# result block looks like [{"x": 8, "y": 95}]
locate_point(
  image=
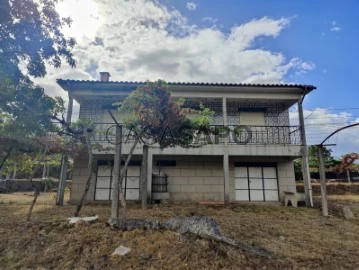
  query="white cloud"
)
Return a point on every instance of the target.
[
  {"x": 335, "y": 27},
  {"x": 140, "y": 40},
  {"x": 322, "y": 122},
  {"x": 191, "y": 6},
  {"x": 210, "y": 19}
]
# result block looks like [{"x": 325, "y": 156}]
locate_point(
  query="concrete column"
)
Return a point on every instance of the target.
[
  {"x": 305, "y": 160},
  {"x": 226, "y": 177},
  {"x": 149, "y": 175},
  {"x": 225, "y": 154}
]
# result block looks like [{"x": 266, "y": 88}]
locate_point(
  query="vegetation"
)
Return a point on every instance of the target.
[
  {"x": 31, "y": 35},
  {"x": 31, "y": 38},
  {"x": 329, "y": 161},
  {"x": 298, "y": 238}
]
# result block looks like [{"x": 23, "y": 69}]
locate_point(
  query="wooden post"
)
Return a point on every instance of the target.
[
  {"x": 64, "y": 161},
  {"x": 323, "y": 185},
  {"x": 115, "y": 204},
  {"x": 305, "y": 161},
  {"x": 143, "y": 187}
]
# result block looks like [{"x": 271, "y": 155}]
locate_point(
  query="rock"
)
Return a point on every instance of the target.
[
  {"x": 121, "y": 251},
  {"x": 144, "y": 256},
  {"x": 73, "y": 220},
  {"x": 132, "y": 224},
  {"x": 282, "y": 238},
  {"x": 204, "y": 227},
  {"x": 347, "y": 212},
  {"x": 207, "y": 228}
]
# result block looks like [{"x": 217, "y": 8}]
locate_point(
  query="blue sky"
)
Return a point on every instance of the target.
[
  {"x": 323, "y": 32},
  {"x": 247, "y": 41}
]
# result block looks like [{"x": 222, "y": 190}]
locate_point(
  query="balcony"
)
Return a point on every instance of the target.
[{"x": 215, "y": 135}]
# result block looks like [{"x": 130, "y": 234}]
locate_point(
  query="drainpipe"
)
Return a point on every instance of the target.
[{"x": 305, "y": 160}]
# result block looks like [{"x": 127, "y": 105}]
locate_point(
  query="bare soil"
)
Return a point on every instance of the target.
[{"x": 298, "y": 238}]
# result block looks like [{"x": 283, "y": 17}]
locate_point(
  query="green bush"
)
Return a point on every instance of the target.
[{"x": 47, "y": 183}]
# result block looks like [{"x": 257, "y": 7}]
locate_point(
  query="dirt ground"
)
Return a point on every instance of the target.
[{"x": 298, "y": 238}]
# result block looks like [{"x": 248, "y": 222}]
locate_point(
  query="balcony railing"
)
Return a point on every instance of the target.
[{"x": 216, "y": 134}]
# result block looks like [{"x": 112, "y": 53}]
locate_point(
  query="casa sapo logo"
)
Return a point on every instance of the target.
[{"x": 185, "y": 135}]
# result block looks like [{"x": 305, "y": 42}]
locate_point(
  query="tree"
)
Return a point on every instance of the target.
[
  {"x": 153, "y": 118},
  {"x": 30, "y": 35},
  {"x": 26, "y": 112},
  {"x": 313, "y": 156},
  {"x": 347, "y": 163}
]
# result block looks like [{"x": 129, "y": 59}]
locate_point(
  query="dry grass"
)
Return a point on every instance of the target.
[{"x": 299, "y": 238}]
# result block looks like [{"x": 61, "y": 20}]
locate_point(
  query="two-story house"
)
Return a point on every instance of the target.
[{"x": 253, "y": 162}]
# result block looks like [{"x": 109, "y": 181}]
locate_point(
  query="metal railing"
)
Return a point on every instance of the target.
[{"x": 216, "y": 134}]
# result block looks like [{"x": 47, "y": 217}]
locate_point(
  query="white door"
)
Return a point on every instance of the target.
[
  {"x": 131, "y": 183},
  {"x": 241, "y": 184},
  {"x": 256, "y": 183}
]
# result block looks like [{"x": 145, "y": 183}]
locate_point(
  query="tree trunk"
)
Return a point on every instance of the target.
[
  {"x": 36, "y": 191},
  {"x": 90, "y": 170},
  {"x": 143, "y": 181},
  {"x": 122, "y": 176},
  {"x": 44, "y": 171},
  {"x": 14, "y": 172},
  {"x": 6, "y": 157},
  {"x": 348, "y": 175}
]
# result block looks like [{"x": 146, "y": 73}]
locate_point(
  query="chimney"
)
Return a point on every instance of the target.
[{"x": 105, "y": 76}]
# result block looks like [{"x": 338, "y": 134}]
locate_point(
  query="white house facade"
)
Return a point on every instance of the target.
[{"x": 255, "y": 164}]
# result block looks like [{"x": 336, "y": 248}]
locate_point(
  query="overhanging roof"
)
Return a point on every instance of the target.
[
  {"x": 285, "y": 93},
  {"x": 113, "y": 85}
]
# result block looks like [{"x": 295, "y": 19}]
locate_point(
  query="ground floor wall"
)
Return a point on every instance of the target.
[{"x": 193, "y": 178}]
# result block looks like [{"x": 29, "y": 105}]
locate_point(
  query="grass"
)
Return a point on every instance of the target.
[{"x": 298, "y": 238}]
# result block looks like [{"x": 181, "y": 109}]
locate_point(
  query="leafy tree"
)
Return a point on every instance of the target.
[
  {"x": 157, "y": 119},
  {"x": 30, "y": 35},
  {"x": 313, "y": 156},
  {"x": 329, "y": 160},
  {"x": 26, "y": 112}
]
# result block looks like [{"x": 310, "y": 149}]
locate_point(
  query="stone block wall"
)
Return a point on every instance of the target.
[
  {"x": 194, "y": 178},
  {"x": 79, "y": 178},
  {"x": 286, "y": 178}
]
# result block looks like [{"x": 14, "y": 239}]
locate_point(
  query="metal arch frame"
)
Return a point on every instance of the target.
[
  {"x": 340, "y": 129},
  {"x": 323, "y": 186}
]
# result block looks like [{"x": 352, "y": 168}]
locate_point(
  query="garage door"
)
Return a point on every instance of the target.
[
  {"x": 131, "y": 183},
  {"x": 256, "y": 183}
]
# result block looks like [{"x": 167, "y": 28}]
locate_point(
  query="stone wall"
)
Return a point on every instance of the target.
[
  {"x": 79, "y": 178},
  {"x": 286, "y": 178},
  {"x": 194, "y": 178}
]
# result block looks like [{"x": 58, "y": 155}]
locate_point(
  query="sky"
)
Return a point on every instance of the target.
[{"x": 238, "y": 41}]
